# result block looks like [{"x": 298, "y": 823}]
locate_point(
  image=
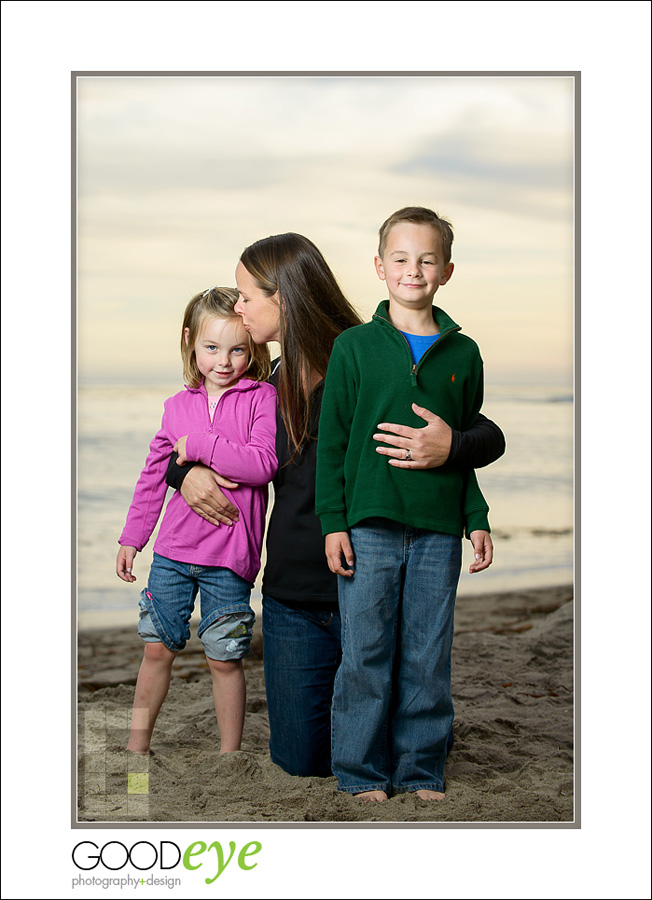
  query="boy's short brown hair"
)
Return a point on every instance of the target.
[{"x": 420, "y": 215}]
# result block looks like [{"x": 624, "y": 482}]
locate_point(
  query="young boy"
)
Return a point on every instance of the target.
[{"x": 399, "y": 533}]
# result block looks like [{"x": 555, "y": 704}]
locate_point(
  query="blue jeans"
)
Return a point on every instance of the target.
[
  {"x": 167, "y": 603},
  {"x": 301, "y": 652},
  {"x": 392, "y": 704}
]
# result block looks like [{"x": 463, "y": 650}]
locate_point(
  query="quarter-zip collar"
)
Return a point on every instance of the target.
[
  {"x": 245, "y": 384},
  {"x": 446, "y": 326}
]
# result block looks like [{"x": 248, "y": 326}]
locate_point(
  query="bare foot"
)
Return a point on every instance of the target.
[
  {"x": 430, "y": 795},
  {"x": 372, "y": 796}
]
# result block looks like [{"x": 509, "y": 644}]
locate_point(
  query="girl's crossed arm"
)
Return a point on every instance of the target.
[{"x": 253, "y": 463}]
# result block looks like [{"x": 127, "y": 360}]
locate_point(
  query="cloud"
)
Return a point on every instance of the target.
[
  {"x": 178, "y": 175},
  {"x": 516, "y": 166}
]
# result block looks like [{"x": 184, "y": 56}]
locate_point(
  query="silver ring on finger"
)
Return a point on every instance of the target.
[{"x": 408, "y": 455}]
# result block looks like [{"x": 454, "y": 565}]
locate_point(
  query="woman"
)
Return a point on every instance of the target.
[{"x": 289, "y": 294}]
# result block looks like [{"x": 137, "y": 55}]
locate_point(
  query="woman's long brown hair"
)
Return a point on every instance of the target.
[{"x": 313, "y": 312}]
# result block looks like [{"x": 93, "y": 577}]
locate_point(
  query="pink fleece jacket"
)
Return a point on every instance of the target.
[{"x": 239, "y": 444}]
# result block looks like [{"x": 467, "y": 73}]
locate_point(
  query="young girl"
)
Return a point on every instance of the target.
[{"x": 225, "y": 419}]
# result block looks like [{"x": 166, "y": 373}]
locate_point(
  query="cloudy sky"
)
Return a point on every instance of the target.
[{"x": 176, "y": 175}]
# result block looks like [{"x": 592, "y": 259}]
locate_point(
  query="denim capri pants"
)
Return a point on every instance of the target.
[{"x": 168, "y": 601}]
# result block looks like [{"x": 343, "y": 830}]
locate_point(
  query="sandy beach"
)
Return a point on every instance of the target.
[{"x": 512, "y": 760}]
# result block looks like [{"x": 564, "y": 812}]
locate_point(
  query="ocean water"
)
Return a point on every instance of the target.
[{"x": 529, "y": 490}]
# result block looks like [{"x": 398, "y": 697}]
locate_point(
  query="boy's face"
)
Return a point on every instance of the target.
[{"x": 413, "y": 265}]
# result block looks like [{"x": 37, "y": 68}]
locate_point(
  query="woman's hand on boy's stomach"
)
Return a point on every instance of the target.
[{"x": 416, "y": 448}]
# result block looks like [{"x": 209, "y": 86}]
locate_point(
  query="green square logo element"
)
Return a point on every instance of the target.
[{"x": 138, "y": 783}]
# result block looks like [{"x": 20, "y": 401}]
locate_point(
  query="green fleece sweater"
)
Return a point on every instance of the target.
[{"x": 371, "y": 379}]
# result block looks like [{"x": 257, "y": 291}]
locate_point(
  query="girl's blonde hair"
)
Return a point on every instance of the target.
[{"x": 218, "y": 302}]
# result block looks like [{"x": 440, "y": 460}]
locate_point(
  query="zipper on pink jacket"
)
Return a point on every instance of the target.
[{"x": 217, "y": 405}]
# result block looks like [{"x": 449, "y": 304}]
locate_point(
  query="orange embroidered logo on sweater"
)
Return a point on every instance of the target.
[{"x": 453, "y": 377}]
